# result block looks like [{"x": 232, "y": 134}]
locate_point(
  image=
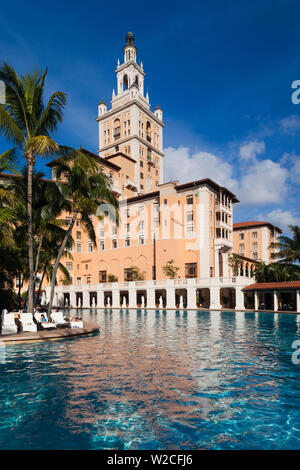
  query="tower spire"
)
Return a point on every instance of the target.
[{"x": 129, "y": 48}]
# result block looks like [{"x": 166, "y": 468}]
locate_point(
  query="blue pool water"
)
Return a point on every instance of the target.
[{"x": 175, "y": 380}]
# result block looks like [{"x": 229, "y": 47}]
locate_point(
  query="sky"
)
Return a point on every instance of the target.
[{"x": 221, "y": 71}]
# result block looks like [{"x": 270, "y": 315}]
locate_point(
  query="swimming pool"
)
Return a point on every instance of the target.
[{"x": 156, "y": 380}]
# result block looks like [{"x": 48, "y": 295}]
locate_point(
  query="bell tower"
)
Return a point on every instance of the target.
[
  {"x": 130, "y": 128},
  {"x": 130, "y": 74}
]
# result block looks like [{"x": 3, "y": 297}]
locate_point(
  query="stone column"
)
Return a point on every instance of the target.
[
  {"x": 255, "y": 300},
  {"x": 100, "y": 298},
  {"x": 60, "y": 299},
  {"x": 115, "y": 298},
  {"x": 215, "y": 303},
  {"x": 85, "y": 299},
  {"x": 275, "y": 296},
  {"x": 170, "y": 294},
  {"x": 150, "y": 298},
  {"x": 298, "y": 301},
  {"x": 239, "y": 299},
  {"x": 217, "y": 263},
  {"x": 131, "y": 298},
  {"x": 191, "y": 298},
  {"x": 72, "y": 299}
]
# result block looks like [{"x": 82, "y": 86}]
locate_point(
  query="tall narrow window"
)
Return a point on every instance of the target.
[
  {"x": 127, "y": 274},
  {"x": 190, "y": 216},
  {"x": 190, "y": 270},
  {"x": 148, "y": 131},
  {"x": 102, "y": 276},
  {"x": 117, "y": 129},
  {"x": 189, "y": 231}
]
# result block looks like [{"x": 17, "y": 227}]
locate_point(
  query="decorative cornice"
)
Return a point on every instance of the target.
[
  {"x": 126, "y": 139},
  {"x": 130, "y": 62},
  {"x": 126, "y": 105}
]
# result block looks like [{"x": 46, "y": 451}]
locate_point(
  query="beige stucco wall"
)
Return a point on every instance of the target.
[{"x": 264, "y": 238}]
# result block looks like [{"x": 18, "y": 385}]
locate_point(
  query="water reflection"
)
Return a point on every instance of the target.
[{"x": 156, "y": 379}]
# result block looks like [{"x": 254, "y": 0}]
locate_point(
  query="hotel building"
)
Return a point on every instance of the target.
[
  {"x": 253, "y": 240},
  {"x": 190, "y": 224}
]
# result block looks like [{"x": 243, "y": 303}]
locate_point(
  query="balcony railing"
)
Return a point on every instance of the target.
[
  {"x": 222, "y": 223},
  {"x": 130, "y": 184},
  {"x": 150, "y": 161},
  {"x": 163, "y": 283},
  {"x": 219, "y": 205}
]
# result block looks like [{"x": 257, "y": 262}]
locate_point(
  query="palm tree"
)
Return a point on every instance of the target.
[
  {"x": 48, "y": 254},
  {"x": 235, "y": 264},
  {"x": 84, "y": 190},
  {"x": 262, "y": 272},
  {"x": 288, "y": 248},
  {"x": 277, "y": 272},
  {"x": 170, "y": 269},
  {"x": 47, "y": 204},
  {"x": 7, "y": 200},
  {"x": 27, "y": 122}
]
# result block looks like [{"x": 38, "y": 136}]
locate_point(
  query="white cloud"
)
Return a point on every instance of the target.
[
  {"x": 263, "y": 182},
  {"x": 295, "y": 173},
  {"x": 290, "y": 124},
  {"x": 281, "y": 219},
  {"x": 181, "y": 164},
  {"x": 249, "y": 150}
]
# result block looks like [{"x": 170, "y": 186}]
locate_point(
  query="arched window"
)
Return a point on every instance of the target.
[
  {"x": 136, "y": 81},
  {"x": 247, "y": 270},
  {"x": 148, "y": 131},
  {"x": 125, "y": 82},
  {"x": 117, "y": 129}
]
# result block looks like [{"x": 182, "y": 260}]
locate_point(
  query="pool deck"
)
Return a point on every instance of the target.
[
  {"x": 199, "y": 309},
  {"x": 53, "y": 335}
]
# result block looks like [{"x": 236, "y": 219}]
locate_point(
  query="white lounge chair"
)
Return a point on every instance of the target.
[
  {"x": 76, "y": 324},
  {"x": 27, "y": 322},
  {"x": 38, "y": 318},
  {"x": 9, "y": 326},
  {"x": 58, "y": 318}
]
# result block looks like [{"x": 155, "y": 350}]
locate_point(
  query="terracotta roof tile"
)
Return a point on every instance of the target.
[
  {"x": 251, "y": 223},
  {"x": 273, "y": 285}
]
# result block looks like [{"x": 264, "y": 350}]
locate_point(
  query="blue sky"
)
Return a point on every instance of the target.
[{"x": 221, "y": 71}]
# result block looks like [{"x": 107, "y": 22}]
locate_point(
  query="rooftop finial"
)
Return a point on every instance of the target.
[{"x": 129, "y": 38}]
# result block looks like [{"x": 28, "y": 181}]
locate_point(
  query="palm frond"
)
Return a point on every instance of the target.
[
  {"x": 8, "y": 161},
  {"x": 42, "y": 145},
  {"x": 52, "y": 114},
  {"x": 9, "y": 128}
]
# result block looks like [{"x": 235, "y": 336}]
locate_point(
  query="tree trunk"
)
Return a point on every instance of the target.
[
  {"x": 41, "y": 283},
  {"x": 30, "y": 234},
  {"x": 37, "y": 260},
  {"x": 19, "y": 290},
  {"x": 57, "y": 261}
]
